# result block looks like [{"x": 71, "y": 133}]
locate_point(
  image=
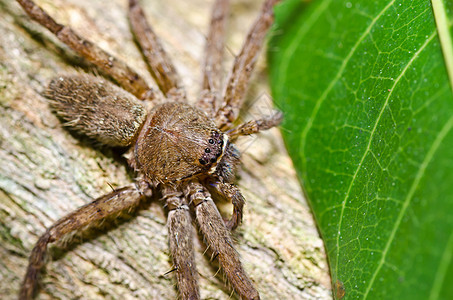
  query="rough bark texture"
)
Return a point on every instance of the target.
[{"x": 47, "y": 171}]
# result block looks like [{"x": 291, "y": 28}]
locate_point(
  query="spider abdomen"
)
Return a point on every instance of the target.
[
  {"x": 97, "y": 108},
  {"x": 178, "y": 141}
]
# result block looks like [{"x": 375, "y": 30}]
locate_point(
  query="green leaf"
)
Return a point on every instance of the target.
[{"x": 368, "y": 107}]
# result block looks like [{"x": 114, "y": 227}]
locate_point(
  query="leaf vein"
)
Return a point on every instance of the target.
[
  {"x": 368, "y": 149},
  {"x": 336, "y": 79},
  {"x": 445, "y": 261},
  {"x": 288, "y": 55},
  {"x": 430, "y": 154}
]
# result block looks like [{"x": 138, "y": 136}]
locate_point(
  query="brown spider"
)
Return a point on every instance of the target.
[{"x": 180, "y": 151}]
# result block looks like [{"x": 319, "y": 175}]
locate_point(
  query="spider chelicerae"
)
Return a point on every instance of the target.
[{"x": 180, "y": 151}]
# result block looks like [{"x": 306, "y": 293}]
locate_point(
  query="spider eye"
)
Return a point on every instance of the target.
[{"x": 213, "y": 150}]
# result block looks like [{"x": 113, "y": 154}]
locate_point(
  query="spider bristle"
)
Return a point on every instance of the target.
[
  {"x": 207, "y": 248},
  {"x": 232, "y": 293},
  {"x": 218, "y": 271},
  {"x": 111, "y": 186},
  {"x": 170, "y": 271},
  {"x": 214, "y": 256}
]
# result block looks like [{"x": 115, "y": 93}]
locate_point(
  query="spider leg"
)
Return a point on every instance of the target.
[
  {"x": 117, "y": 69},
  {"x": 243, "y": 66},
  {"x": 161, "y": 67},
  {"x": 100, "y": 208},
  {"x": 232, "y": 194},
  {"x": 219, "y": 239},
  {"x": 214, "y": 49},
  {"x": 180, "y": 234},
  {"x": 255, "y": 126},
  {"x": 97, "y": 108}
]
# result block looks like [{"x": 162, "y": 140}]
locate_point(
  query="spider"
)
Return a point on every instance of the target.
[{"x": 184, "y": 153}]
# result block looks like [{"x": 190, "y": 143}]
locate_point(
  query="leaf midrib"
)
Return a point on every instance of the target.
[{"x": 443, "y": 27}]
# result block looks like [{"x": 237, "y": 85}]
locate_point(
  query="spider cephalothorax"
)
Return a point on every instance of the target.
[
  {"x": 178, "y": 141},
  {"x": 183, "y": 152}
]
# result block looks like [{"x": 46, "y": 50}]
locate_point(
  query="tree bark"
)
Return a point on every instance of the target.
[{"x": 47, "y": 171}]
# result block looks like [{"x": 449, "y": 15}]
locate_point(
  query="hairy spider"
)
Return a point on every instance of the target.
[{"x": 180, "y": 151}]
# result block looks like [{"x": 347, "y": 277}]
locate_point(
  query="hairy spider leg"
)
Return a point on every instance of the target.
[
  {"x": 117, "y": 69},
  {"x": 219, "y": 239},
  {"x": 180, "y": 234},
  {"x": 214, "y": 50},
  {"x": 160, "y": 64},
  {"x": 255, "y": 126},
  {"x": 243, "y": 66},
  {"x": 97, "y": 108},
  {"x": 104, "y": 206}
]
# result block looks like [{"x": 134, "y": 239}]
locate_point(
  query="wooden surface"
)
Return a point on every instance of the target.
[{"x": 46, "y": 171}]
